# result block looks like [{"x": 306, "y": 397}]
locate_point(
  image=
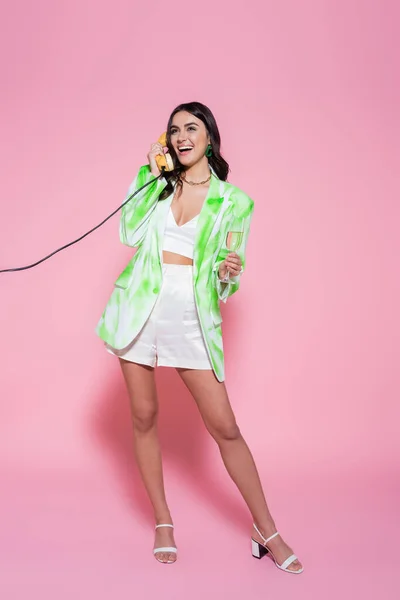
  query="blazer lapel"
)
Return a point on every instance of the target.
[{"x": 210, "y": 219}]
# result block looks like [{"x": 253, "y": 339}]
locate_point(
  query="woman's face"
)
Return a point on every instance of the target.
[{"x": 189, "y": 138}]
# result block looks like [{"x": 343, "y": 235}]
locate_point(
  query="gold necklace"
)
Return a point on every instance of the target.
[{"x": 183, "y": 178}]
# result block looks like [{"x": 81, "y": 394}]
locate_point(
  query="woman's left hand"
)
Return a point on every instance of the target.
[{"x": 232, "y": 265}]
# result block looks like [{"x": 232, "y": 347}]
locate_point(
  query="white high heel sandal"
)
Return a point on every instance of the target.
[
  {"x": 171, "y": 549},
  {"x": 259, "y": 550}
]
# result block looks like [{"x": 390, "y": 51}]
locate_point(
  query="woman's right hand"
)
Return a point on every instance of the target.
[{"x": 156, "y": 149}]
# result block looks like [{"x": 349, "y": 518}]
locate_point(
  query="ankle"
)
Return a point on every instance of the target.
[
  {"x": 266, "y": 528},
  {"x": 163, "y": 518}
]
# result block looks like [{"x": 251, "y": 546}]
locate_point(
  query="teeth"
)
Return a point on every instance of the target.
[{"x": 185, "y": 148}]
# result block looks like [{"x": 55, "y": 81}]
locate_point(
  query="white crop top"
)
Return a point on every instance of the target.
[{"x": 180, "y": 239}]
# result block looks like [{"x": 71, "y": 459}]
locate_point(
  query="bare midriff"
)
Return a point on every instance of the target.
[{"x": 171, "y": 258}]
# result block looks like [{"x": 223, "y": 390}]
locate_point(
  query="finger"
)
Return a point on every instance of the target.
[
  {"x": 234, "y": 265},
  {"x": 156, "y": 148},
  {"x": 235, "y": 261}
]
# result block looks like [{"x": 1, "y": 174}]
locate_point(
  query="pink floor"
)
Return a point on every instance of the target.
[
  {"x": 67, "y": 535},
  {"x": 307, "y": 100}
]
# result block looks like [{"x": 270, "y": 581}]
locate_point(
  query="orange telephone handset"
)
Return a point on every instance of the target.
[{"x": 164, "y": 160}]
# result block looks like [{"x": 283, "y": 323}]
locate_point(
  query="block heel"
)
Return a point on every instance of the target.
[{"x": 257, "y": 550}]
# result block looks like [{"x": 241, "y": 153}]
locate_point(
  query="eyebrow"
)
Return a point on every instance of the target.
[{"x": 186, "y": 125}]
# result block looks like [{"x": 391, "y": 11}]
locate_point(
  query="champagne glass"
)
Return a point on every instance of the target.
[{"x": 234, "y": 240}]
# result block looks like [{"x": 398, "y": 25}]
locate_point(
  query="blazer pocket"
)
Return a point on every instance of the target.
[{"x": 124, "y": 278}]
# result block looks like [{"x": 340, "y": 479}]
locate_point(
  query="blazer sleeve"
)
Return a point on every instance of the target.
[
  {"x": 243, "y": 212},
  {"x": 136, "y": 213}
]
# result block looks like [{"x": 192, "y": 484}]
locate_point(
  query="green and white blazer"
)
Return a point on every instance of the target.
[{"x": 226, "y": 208}]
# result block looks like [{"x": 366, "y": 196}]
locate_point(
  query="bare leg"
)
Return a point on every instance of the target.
[
  {"x": 141, "y": 387},
  {"x": 213, "y": 402}
]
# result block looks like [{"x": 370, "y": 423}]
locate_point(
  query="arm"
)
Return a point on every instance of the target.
[
  {"x": 136, "y": 213},
  {"x": 230, "y": 285}
]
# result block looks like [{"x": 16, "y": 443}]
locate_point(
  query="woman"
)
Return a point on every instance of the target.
[{"x": 165, "y": 308}]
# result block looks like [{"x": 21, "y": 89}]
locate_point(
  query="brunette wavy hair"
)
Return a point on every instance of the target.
[{"x": 217, "y": 162}]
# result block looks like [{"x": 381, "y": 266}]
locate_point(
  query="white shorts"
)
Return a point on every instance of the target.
[{"x": 171, "y": 336}]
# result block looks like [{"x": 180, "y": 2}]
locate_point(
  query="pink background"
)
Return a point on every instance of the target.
[{"x": 306, "y": 95}]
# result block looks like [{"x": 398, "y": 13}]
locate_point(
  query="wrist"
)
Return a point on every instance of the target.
[{"x": 155, "y": 171}]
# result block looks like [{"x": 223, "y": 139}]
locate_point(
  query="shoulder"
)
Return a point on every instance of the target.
[
  {"x": 243, "y": 204},
  {"x": 144, "y": 172}
]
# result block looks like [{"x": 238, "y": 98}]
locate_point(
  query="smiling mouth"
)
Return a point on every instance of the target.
[{"x": 185, "y": 149}]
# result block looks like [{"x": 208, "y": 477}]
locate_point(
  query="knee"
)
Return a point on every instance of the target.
[
  {"x": 225, "y": 431},
  {"x": 144, "y": 418}
]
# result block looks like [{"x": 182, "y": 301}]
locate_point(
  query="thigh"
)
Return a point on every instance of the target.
[
  {"x": 212, "y": 400},
  {"x": 140, "y": 382}
]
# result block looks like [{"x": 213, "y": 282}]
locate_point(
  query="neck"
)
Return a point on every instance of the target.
[{"x": 199, "y": 171}]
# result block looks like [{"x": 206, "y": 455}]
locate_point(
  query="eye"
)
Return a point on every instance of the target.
[
  {"x": 191, "y": 128},
  {"x": 173, "y": 131}
]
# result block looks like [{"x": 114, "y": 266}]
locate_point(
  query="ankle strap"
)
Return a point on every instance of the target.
[
  {"x": 261, "y": 535},
  {"x": 164, "y": 525}
]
